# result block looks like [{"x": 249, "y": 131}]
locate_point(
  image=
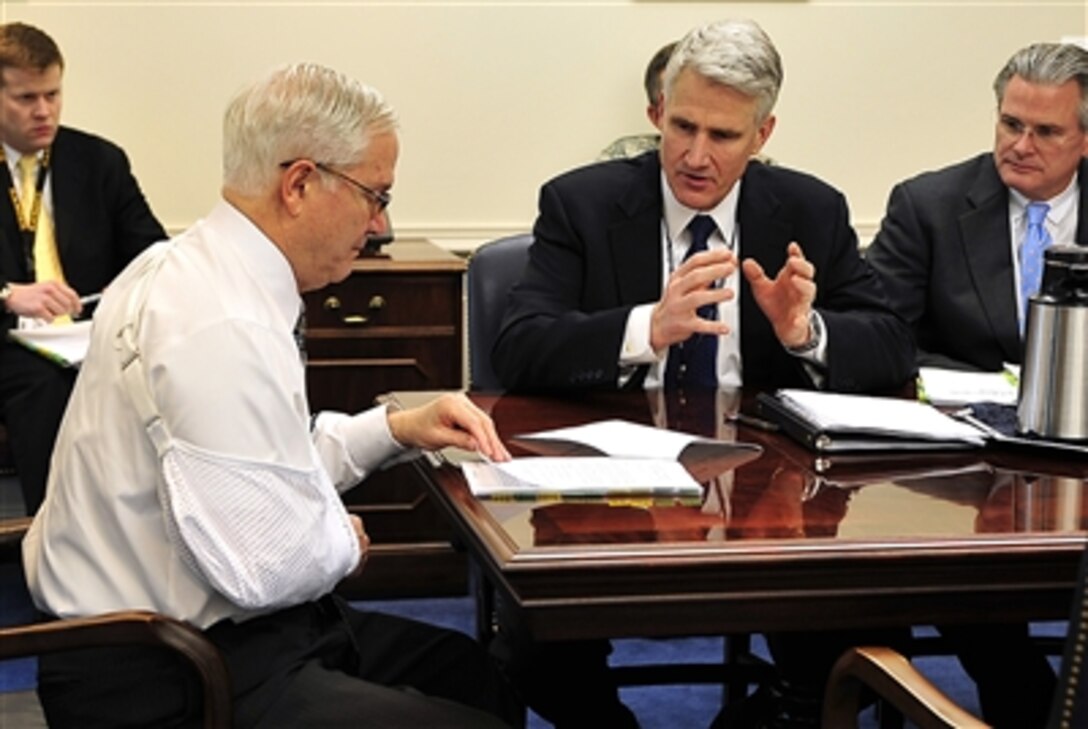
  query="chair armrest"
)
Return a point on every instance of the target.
[
  {"x": 127, "y": 628},
  {"x": 894, "y": 680}
]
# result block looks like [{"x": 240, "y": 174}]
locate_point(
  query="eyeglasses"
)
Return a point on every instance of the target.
[
  {"x": 380, "y": 199},
  {"x": 1043, "y": 135}
]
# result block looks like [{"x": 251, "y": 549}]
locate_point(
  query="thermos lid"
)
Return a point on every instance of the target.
[{"x": 1065, "y": 275}]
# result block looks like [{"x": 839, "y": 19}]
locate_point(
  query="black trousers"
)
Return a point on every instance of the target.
[
  {"x": 322, "y": 664},
  {"x": 1015, "y": 681},
  {"x": 33, "y": 395},
  {"x": 569, "y": 683}
]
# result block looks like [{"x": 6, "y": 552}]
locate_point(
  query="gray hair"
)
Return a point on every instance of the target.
[
  {"x": 1051, "y": 64},
  {"x": 734, "y": 53},
  {"x": 302, "y": 110}
]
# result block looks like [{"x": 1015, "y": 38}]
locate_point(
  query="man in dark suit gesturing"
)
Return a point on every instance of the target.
[
  {"x": 73, "y": 218},
  {"x": 694, "y": 267},
  {"x": 608, "y": 289}
]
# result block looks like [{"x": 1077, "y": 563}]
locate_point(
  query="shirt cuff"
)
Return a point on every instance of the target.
[
  {"x": 636, "y": 338},
  {"x": 367, "y": 437}
]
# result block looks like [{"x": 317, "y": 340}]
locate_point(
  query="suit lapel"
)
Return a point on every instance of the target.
[
  {"x": 14, "y": 257},
  {"x": 634, "y": 237},
  {"x": 984, "y": 233},
  {"x": 763, "y": 237},
  {"x": 66, "y": 179}
]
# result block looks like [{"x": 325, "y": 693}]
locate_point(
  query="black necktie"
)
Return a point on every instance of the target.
[
  {"x": 694, "y": 362},
  {"x": 300, "y": 334}
]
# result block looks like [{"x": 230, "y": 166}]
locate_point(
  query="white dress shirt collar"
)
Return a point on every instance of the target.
[
  {"x": 262, "y": 257},
  {"x": 1061, "y": 205},
  {"x": 677, "y": 216}
]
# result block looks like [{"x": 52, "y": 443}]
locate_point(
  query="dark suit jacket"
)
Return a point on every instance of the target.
[
  {"x": 101, "y": 218},
  {"x": 597, "y": 253},
  {"x": 944, "y": 255}
]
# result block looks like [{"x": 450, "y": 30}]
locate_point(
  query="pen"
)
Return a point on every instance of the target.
[
  {"x": 753, "y": 422},
  {"x": 89, "y": 299}
]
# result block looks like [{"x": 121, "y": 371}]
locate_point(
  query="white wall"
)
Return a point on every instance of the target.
[{"x": 495, "y": 97}]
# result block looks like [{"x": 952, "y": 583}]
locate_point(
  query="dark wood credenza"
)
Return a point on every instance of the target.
[{"x": 396, "y": 323}]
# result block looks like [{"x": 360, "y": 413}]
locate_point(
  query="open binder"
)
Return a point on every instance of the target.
[{"x": 835, "y": 423}]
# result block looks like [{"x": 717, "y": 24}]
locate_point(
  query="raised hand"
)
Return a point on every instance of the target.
[
  {"x": 786, "y": 300},
  {"x": 675, "y": 317}
]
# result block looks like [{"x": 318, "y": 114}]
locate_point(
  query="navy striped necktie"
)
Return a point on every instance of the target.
[{"x": 694, "y": 362}]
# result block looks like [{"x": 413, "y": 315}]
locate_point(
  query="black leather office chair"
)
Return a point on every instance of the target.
[
  {"x": 121, "y": 628},
  {"x": 492, "y": 270},
  {"x": 898, "y": 683}
]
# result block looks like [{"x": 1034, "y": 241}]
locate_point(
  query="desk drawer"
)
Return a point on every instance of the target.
[
  {"x": 347, "y": 376},
  {"x": 374, "y": 300}
]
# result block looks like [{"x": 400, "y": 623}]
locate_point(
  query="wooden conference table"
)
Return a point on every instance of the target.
[{"x": 787, "y": 541}]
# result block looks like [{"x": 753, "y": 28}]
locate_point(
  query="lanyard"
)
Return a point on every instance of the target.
[{"x": 28, "y": 220}]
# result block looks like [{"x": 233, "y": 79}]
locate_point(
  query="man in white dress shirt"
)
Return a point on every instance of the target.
[{"x": 189, "y": 477}]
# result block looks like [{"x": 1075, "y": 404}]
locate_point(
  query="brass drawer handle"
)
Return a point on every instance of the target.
[{"x": 332, "y": 303}]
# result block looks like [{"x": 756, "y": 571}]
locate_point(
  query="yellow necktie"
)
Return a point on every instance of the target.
[{"x": 46, "y": 259}]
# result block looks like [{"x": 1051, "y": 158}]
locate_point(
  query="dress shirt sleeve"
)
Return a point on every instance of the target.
[
  {"x": 353, "y": 446},
  {"x": 636, "y": 338},
  {"x": 247, "y": 498}
]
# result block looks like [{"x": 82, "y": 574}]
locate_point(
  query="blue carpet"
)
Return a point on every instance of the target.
[
  {"x": 657, "y": 707},
  {"x": 15, "y": 608},
  {"x": 687, "y": 706}
]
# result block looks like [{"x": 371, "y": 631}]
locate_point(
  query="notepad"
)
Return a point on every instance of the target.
[
  {"x": 940, "y": 386},
  {"x": 580, "y": 476},
  {"x": 65, "y": 344}
]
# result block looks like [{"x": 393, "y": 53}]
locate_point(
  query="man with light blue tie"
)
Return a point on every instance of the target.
[
  {"x": 960, "y": 255},
  {"x": 951, "y": 249}
]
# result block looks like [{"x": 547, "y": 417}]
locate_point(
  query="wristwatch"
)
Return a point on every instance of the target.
[
  {"x": 815, "y": 335},
  {"x": 5, "y": 294}
]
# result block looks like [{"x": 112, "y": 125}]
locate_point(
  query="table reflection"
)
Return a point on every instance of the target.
[{"x": 787, "y": 493}]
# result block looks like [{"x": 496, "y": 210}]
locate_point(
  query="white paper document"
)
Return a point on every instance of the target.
[
  {"x": 580, "y": 476},
  {"x": 65, "y": 344},
  {"x": 620, "y": 438},
  {"x": 954, "y": 387}
]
